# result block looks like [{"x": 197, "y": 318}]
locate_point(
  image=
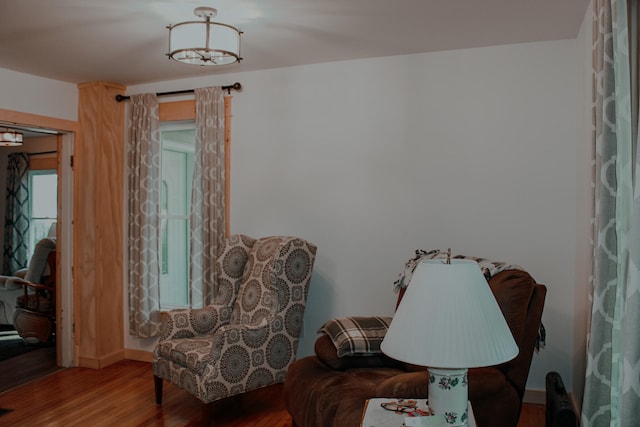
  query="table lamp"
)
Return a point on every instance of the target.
[{"x": 449, "y": 320}]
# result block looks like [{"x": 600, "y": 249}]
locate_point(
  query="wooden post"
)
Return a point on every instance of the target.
[{"x": 98, "y": 229}]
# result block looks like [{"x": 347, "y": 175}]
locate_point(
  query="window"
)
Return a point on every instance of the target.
[
  {"x": 176, "y": 171},
  {"x": 43, "y": 204}
]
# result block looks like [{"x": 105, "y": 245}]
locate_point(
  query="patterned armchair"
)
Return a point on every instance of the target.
[{"x": 248, "y": 337}]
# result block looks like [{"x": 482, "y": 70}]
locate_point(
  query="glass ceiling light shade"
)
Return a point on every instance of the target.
[
  {"x": 449, "y": 320},
  {"x": 204, "y": 42},
  {"x": 10, "y": 137}
]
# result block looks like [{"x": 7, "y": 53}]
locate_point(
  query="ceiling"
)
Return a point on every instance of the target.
[{"x": 125, "y": 41}]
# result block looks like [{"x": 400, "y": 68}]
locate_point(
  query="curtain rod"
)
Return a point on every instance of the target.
[
  {"x": 235, "y": 86},
  {"x": 41, "y": 153}
]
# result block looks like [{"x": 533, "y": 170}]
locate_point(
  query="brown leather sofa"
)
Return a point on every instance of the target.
[{"x": 325, "y": 390}]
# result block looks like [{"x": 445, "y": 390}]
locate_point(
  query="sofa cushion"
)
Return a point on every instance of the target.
[
  {"x": 191, "y": 353},
  {"x": 357, "y": 335},
  {"x": 321, "y": 396},
  {"x": 488, "y": 381},
  {"x": 406, "y": 385}
]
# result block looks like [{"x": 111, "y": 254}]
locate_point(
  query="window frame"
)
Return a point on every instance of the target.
[
  {"x": 41, "y": 166},
  {"x": 178, "y": 112},
  {"x": 166, "y": 217}
]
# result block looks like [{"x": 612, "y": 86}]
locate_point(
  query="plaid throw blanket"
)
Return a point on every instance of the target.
[
  {"x": 358, "y": 335},
  {"x": 489, "y": 269}
]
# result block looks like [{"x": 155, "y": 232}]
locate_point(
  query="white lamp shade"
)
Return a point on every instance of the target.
[{"x": 449, "y": 318}]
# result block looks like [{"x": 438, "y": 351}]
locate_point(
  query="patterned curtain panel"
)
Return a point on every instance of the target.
[
  {"x": 208, "y": 191},
  {"x": 16, "y": 221},
  {"x": 612, "y": 386},
  {"x": 143, "y": 151}
]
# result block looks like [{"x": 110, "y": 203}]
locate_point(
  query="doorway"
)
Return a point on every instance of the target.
[{"x": 65, "y": 132}]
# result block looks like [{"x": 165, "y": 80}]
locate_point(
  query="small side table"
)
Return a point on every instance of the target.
[{"x": 374, "y": 415}]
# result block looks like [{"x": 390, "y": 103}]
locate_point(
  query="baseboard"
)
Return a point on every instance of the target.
[
  {"x": 127, "y": 353},
  {"x": 537, "y": 397},
  {"x": 139, "y": 355},
  {"x": 88, "y": 362},
  {"x": 101, "y": 362}
]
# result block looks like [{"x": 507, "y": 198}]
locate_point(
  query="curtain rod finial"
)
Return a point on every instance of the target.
[{"x": 235, "y": 86}]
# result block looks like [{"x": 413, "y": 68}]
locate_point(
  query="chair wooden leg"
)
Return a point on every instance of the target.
[
  {"x": 158, "y": 388},
  {"x": 207, "y": 419}
]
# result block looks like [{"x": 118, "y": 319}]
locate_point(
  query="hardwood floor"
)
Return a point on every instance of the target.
[
  {"x": 27, "y": 367},
  {"x": 122, "y": 395},
  {"x": 532, "y": 415}
]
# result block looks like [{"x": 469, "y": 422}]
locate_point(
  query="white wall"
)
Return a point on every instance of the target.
[
  {"x": 584, "y": 208},
  {"x": 38, "y": 95},
  {"x": 371, "y": 159}
]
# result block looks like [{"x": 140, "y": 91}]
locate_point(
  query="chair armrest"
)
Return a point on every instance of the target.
[
  {"x": 10, "y": 283},
  {"x": 409, "y": 385},
  {"x": 36, "y": 286},
  {"x": 186, "y": 323}
]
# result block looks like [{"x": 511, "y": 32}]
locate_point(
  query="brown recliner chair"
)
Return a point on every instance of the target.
[
  {"x": 11, "y": 287},
  {"x": 35, "y": 314},
  {"x": 325, "y": 390},
  {"x": 28, "y": 297}
]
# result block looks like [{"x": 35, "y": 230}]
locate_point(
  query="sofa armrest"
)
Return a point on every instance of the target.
[
  {"x": 408, "y": 385},
  {"x": 328, "y": 354}
]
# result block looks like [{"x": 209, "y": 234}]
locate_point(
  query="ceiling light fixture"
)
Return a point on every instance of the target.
[
  {"x": 204, "y": 42},
  {"x": 10, "y": 137}
]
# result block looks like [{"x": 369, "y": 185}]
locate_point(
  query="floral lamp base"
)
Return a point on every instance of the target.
[{"x": 448, "y": 393}]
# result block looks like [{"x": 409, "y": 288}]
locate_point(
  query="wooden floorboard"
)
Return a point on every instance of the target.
[
  {"x": 532, "y": 415},
  {"x": 27, "y": 367},
  {"x": 122, "y": 394}
]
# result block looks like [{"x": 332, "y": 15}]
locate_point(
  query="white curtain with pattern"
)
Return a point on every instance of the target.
[
  {"x": 143, "y": 151},
  {"x": 612, "y": 386},
  {"x": 16, "y": 219},
  {"x": 208, "y": 194}
]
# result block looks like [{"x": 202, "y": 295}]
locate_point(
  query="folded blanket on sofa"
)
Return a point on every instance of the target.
[{"x": 488, "y": 267}]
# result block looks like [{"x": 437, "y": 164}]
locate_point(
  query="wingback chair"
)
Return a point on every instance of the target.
[
  {"x": 248, "y": 337},
  {"x": 11, "y": 287},
  {"x": 35, "y": 315}
]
